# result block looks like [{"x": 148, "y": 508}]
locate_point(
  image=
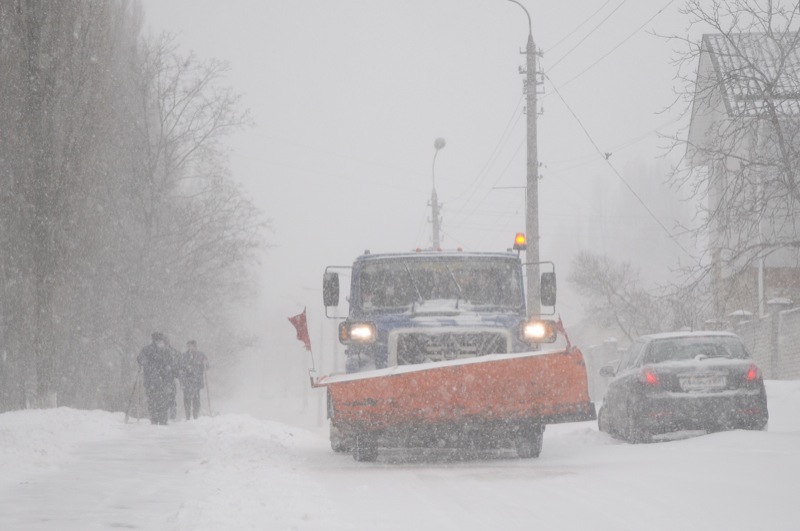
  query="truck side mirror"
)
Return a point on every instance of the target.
[
  {"x": 548, "y": 288},
  {"x": 330, "y": 289}
]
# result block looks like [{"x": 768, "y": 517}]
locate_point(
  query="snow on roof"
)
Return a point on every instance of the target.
[
  {"x": 781, "y": 300},
  {"x": 750, "y": 65},
  {"x": 434, "y": 255},
  {"x": 676, "y": 335}
]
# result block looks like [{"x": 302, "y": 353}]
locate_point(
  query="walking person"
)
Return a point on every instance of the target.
[
  {"x": 176, "y": 363},
  {"x": 158, "y": 373},
  {"x": 192, "y": 377}
]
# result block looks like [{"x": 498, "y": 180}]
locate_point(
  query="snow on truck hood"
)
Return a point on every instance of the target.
[{"x": 442, "y": 314}]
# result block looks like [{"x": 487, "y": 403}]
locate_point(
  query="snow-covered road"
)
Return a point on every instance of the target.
[
  {"x": 129, "y": 482},
  {"x": 65, "y": 469}
]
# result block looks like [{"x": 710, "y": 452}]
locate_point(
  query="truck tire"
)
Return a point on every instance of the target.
[
  {"x": 529, "y": 443},
  {"x": 340, "y": 442},
  {"x": 364, "y": 449}
]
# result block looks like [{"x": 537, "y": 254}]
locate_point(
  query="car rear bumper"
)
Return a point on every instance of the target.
[{"x": 663, "y": 414}]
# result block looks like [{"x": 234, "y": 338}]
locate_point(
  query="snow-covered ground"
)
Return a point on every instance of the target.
[{"x": 65, "y": 469}]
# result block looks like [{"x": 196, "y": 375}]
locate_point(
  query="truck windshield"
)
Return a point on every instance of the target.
[{"x": 396, "y": 283}]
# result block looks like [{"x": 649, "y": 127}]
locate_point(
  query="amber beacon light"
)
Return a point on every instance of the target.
[{"x": 519, "y": 241}]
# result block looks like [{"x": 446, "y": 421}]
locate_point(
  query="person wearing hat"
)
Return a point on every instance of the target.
[
  {"x": 158, "y": 372},
  {"x": 192, "y": 378}
]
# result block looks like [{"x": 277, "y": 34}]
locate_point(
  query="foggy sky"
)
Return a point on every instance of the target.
[{"x": 349, "y": 96}]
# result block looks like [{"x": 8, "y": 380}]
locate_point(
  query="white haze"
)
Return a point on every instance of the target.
[{"x": 349, "y": 96}]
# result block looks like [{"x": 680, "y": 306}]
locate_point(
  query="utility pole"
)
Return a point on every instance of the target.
[{"x": 532, "y": 181}]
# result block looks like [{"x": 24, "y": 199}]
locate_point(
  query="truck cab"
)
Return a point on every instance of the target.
[{"x": 428, "y": 306}]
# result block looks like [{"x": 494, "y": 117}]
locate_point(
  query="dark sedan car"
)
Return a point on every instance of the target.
[{"x": 683, "y": 381}]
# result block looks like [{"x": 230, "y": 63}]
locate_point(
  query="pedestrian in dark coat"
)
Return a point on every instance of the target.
[
  {"x": 192, "y": 377},
  {"x": 176, "y": 364},
  {"x": 158, "y": 371}
]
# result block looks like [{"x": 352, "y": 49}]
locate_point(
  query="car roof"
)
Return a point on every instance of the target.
[{"x": 678, "y": 335}]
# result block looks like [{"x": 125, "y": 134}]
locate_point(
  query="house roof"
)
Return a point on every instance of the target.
[{"x": 750, "y": 66}]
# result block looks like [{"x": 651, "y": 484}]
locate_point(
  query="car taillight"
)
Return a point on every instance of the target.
[
  {"x": 650, "y": 376},
  {"x": 752, "y": 373}
]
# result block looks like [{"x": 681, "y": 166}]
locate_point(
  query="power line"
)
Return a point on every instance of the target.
[
  {"x": 472, "y": 212},
  {"x": 474, "y": 186},
  {"x": 579, "y": 26},
  {"x": 626, "y": 39},
  {"x": 512, "y": 122},
  {"x": 619, "y": 176},
  {"x": 588, "y": 34},
  {"x": 582, "y": 160}
]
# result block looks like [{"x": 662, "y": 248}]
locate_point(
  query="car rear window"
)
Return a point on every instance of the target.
[{"x": 688, "y": 348}]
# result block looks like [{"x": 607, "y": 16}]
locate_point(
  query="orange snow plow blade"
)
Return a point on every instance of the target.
[{"x": 540, "y": 387}]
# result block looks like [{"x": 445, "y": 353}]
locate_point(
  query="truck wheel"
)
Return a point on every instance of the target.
[
  {"x": 364, "y": 450},
  {"x": 340, "y": 442},
  {"x": 529, "y": 444}
]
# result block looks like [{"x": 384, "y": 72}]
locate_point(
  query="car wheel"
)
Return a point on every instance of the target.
[
  {"x": 634, "y": 433},
  {"x": 529, "y": 444},
  {"x": 760, "y": 425},
  {"x": 602, "y": 422}
]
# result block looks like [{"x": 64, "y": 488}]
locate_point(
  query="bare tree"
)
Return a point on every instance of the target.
[
  {"x": 56, "y": 79},
  {"x": 117, "y": 212},
  {"x": 615, "y": 298},
  {"x": 188, "y": 231},
  {"x": 741, "y": 85}
]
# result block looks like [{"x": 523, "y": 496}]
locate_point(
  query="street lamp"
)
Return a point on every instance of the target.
[
  {"x": 438, "y": 144},
  {"x": 530, "y": 31}
]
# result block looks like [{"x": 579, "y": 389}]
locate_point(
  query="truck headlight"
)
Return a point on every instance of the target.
[
  {"x": 538, "y": 331},
  {"x": 360, "y": 332}
]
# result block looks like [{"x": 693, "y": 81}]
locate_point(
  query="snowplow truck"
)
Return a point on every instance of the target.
[{"x": 440, "y": 352}]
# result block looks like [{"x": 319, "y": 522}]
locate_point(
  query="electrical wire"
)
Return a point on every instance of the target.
[
  {"x": 579, "y": 26},
  {"x": 501, "y": 143},
  {"x": 587, "y": 35},
  {"x": 614, "y": 169},
  {"x": 612, "y": 50},
  {"x": 469, "y": 214},
  {"x": 619, "y": 147}
]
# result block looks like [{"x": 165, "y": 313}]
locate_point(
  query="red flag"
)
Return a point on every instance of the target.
[
  {"x": 560, "y": 328},
  {"x": 300, "y": 324}
]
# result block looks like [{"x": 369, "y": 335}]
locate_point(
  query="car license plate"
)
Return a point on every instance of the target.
[{"x": 703, "y": 382}]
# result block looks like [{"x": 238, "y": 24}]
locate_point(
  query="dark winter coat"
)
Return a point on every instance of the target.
[
  {"x": 193, "y": 368},
  {"x": 158, "y": 368}
]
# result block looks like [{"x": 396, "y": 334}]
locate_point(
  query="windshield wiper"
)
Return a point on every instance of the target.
[
  {"x": 458, "y": 288},
  {"x": 701, "y": 357},
  {"x": 414, "y": 284}
]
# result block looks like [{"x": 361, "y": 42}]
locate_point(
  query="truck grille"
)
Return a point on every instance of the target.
[{"x": 413, "y": 348}]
